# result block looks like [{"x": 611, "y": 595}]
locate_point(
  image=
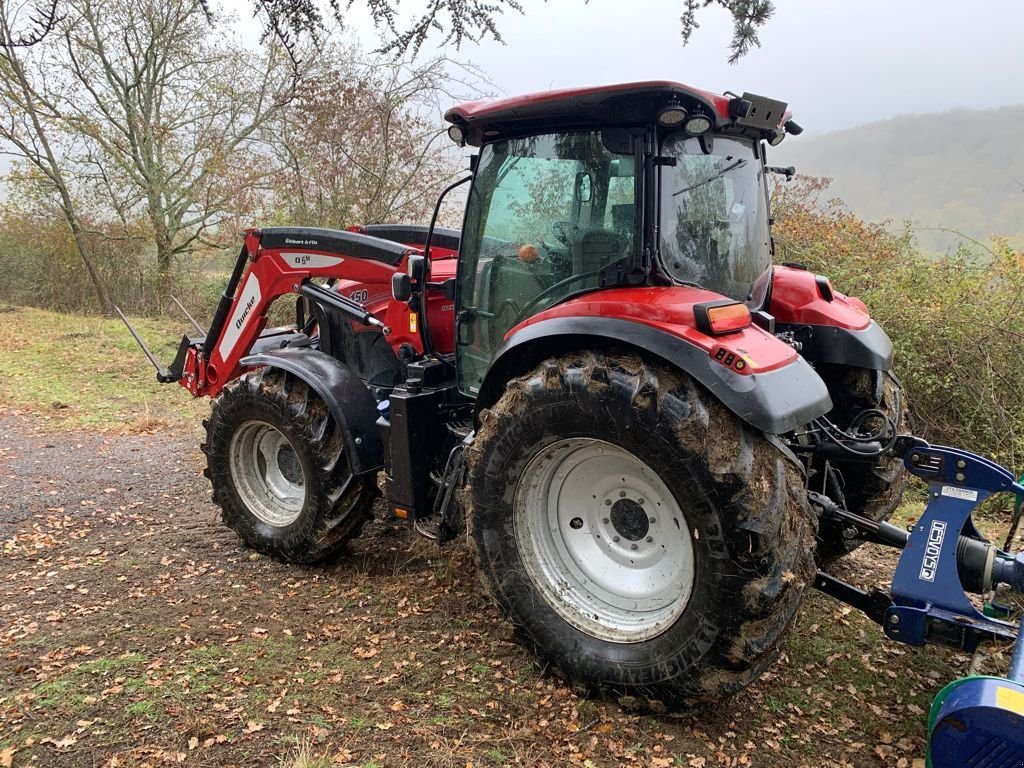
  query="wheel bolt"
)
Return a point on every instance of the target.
[
  {"x": 651, "y": 520},
  {"x": 607, "y": 502},
  {"x": 633, "y": 547},
  {"x": 622, "y": 494},
  {"x": 639, "y": 501},
  {"x": 615, "y": 538},
  {"x": 605, "y": 520},
  {"x": 576, "y": 523},
  {"x": 649, "y": 539}
]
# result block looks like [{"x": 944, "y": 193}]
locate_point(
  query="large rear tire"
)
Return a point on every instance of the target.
[
  {"x": 643, "y": 541},
  {"x": 279, "y": 473},
  {"x": 871, "y": 490}
]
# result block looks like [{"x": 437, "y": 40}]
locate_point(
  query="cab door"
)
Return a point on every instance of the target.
[{"x": 546, "y": 214}]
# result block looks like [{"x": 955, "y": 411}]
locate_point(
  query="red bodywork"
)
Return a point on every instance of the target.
[
  {"x": 269, "y": 275},
  {"x": 797, "y": 298},
  {"x": 749, "y": 351},
  {"x": 492, "y": 108}
]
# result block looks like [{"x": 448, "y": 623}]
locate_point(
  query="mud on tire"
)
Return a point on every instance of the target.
[
  {"x": 279, "y": 473},
  {"x": 872, "y": 490},
  {"x": 738, "y": 505}
]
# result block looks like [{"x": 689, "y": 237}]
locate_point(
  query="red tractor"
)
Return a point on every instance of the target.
[{"x": 602, "y": 379}]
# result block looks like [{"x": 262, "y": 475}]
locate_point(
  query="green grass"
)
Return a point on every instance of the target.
[
  {"x": 89, "y": 371},
  {"x": 145, "y": 709}
]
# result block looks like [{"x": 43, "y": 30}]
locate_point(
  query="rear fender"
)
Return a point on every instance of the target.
[
  {"x": 774, "y": 401},
  {"x": 349, "y": 401}
]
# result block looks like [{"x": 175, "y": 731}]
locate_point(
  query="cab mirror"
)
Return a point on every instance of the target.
[
  {"x": 401, "y": 286},
  {"x": 415, "y": 267}
]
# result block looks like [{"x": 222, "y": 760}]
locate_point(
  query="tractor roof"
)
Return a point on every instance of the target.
[{"x": 626, "y": 103}]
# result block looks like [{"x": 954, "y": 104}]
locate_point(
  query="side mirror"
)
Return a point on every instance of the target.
[
  {"x": 401, "y": 286},
  {"x": 415, "y": 269}
]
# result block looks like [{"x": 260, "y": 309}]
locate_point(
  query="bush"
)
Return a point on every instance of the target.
[
  {"x": 42, "y": 268},
  {"x": 957, "y": 323}
]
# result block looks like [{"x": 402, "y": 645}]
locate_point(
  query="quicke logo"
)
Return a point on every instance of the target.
[
  {"x": 245, "y": 313},
  {"x": 932, "y": 550}
]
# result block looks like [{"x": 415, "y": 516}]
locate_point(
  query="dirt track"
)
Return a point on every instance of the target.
[{"x": 136, "y": 631}]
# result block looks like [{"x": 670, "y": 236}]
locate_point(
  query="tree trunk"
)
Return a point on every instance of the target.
[{"x": 106, "y": 305}]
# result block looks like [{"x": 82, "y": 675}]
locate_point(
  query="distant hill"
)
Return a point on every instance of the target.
[{"x": 961, "y": 170}]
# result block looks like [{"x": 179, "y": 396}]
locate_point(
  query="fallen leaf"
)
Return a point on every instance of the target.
[
  {"x": 7, "y": 757},
  {"x": 252, "y": 726}
]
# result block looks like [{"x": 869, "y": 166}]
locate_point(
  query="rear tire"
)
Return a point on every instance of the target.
[
  {"x": 276, "y": 461},
  {"x": 691, "y": 601},
  {"x": 871, "y": 490}
]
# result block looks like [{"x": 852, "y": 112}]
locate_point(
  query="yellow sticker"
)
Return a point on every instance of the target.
[
  {"x": 1010, "y": 699},
  {"x": 412, "y": 322}
]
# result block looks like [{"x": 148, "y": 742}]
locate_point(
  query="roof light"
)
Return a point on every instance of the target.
[
  {"x": 671, "y": 116},
  {"x": 724, "y": 316},
  {"x": 697, "y": 125},
  {"x": 776, "y": 138},
  {"x": 457, "y": 134}
]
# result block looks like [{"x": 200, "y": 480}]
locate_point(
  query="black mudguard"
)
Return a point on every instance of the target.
[
  {"x": 353, "y": 407},
  {"x": 775, "y": 401},
  {"x": 867, "y": 348}
]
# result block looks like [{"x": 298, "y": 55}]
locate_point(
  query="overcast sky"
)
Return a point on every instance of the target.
[{"x": 838, "y": 63}]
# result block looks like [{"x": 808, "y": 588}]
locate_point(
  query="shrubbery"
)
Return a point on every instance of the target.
[
  {"x": 957, "y": 323},
  {"x": 41, "y": 267}
]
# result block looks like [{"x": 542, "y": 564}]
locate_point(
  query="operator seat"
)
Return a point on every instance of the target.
[{"x": 596, "y": 248}]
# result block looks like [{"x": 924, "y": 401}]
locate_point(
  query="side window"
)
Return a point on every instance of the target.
[{"x": 531, "y": 194}]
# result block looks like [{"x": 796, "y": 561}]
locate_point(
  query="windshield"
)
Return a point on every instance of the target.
[
  {"x": 714, "y": 216},
  {"x": 546, "y": 216}
]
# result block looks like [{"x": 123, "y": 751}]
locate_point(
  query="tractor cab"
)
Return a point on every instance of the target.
[{"x": 646, "y": 184}]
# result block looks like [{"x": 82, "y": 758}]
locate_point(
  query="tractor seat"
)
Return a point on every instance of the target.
[
  {"x": 594, "y": 249},
  {"x": 349, "y": 244}
]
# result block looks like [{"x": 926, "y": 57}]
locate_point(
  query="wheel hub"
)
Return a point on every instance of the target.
[
  {"x": 629, "y": 519},
  {"x": 604, "y": 540},
  {"x": 267, "y": 474}
]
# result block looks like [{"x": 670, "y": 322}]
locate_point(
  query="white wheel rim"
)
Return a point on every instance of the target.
[
  {"x": 604, "y": 540},
  {"x": 267, "y": 473}
]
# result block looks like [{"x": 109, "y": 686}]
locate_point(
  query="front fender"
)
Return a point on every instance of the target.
[
  {"x": 350, "y": 403},
  {"x": 774, "y": 401},
  {"x": 868, "y": 347}
]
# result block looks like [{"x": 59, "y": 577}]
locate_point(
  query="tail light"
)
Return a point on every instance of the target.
[{"x": 717, "y": 317}]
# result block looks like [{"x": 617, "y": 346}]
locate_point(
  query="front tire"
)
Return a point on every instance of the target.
[
  {"x": 276, "y": 461},
  {"x": 872, "y": 490},
  {"x": 644, "y": 542}
]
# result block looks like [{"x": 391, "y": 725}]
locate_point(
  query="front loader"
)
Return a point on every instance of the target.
[{"x": 651, "y": 435}]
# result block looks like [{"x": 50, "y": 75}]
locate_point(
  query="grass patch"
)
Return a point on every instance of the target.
[
  {"x": 144, "y": 709},
  {"x": 89, "y": 371}
]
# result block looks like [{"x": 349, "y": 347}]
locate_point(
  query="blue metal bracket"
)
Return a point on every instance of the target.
[{"x": 929, "y": 602}]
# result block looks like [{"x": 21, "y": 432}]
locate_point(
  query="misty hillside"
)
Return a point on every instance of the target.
[{"x": 961, "y": 170}]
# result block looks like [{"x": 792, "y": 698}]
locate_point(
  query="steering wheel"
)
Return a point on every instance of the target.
[{"x": 562, "y": 230}]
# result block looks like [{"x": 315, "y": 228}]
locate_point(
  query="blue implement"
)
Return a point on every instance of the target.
[{"x": 977, "y": 721}]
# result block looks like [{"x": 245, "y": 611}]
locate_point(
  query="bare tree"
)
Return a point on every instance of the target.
[
  {"x": 363, "y": 143},
  {"x": 29, "y": 124},
  {"x": 170, "y": 115}
]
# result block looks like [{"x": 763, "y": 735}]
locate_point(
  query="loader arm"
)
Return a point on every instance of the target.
[{"x": 272, "y": 263}]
